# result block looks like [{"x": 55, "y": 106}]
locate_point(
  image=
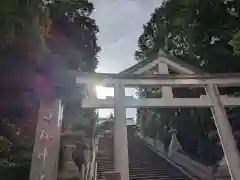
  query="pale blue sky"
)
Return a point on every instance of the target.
[{"x": 120, "y": 23}]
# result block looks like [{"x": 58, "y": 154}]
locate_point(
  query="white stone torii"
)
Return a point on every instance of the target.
[{"x": 120, "y": 102}]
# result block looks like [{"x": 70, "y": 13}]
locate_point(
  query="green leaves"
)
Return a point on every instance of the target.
[
  {"x": 190, "y": 29},
  {"x": 235, "y": 42},
  {"x": 202, "y": 33},
  {"x": 25, "y": 27},
  {"x": 5, "y": 144},
  {"x": 14, "y": 15},
  {"x": 72, "y": 21}
]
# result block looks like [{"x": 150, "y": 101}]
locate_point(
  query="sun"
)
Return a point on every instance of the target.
[{"x": 102, "y": 91}]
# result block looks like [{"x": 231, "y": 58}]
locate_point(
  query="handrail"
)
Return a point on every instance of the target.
[
  {"x": 95, "y": 172},
  {"x": 94, "y": 162},
  {"x": 96, "y": 153},
  {"x": 91, "y": 166}
]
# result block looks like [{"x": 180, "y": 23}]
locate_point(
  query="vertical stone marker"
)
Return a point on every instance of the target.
[{"x": 44, "y": 164}]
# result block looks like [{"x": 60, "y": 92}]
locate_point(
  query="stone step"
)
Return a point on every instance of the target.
[
  {"x": 156, "y": 175},
  {"x": 102, "y": 167},
  {"x": 104, "y": 159},
  {"x": 151, "y": 170},
  {"x": 105, "y": 169},
  {"x": 103, "y": 163},
  {"x": 144, "y": 164}
]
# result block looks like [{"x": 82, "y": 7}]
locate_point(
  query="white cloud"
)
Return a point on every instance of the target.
[{"x": 120, "y": 23}]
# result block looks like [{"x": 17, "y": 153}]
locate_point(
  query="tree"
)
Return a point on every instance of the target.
[
  {"x": 23, "y": 28},
  {"x": 29, "y": 33},
  {"x": 204, "y": 34},
  {"x": 73, "y": 36},
  {"x": 235, "y": 42},
  {"x": 111, "y": 117},
  {"x": 16, "y": 15}
]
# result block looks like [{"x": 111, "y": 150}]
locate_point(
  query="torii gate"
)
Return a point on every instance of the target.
[{"x": 192, "y": 77}]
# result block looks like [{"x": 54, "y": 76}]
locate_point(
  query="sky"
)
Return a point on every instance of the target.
[{"x": 120, "y": 23}]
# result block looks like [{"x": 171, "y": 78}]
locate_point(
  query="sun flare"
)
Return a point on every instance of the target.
[{"x": 102, "y": 91}]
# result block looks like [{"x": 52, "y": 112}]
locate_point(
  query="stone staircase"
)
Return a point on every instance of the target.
[
  {"x": 144, "y": 163},
  {"x": 105, "y": 154}
]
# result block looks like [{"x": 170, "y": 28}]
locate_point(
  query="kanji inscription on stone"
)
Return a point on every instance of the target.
[{"x": 47, "y": 142}]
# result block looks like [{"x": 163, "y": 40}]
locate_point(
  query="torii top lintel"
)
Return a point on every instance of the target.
[
  {"x": 173, "y": 62},
  {"x": 189, "y": 75}
]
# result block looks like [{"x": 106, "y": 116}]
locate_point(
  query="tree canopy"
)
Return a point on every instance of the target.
[
  {"x": 41, "y": 42},
  {"x": 202, "y": 33}
]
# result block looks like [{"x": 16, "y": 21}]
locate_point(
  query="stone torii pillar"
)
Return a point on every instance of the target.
[
  {"x": 120, "y": 133},
  {"x": 166, "y": 90}
]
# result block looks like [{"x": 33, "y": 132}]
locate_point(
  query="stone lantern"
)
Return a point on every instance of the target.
[
  {"x": 84, "y": 156},
  {"x": 174, "y": 144},
  {"x": 70, "y": 169}
]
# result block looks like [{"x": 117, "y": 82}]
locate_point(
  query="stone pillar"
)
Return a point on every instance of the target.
[
  {"x": 166, "y": 90},
  {"x": 120, "y": 133},
  {"x": 47, "y": 142},
  {"x": 141, "y": 119},
  {"x": 225, "y": 132},
  {"x": 91, "y": 91},
  {"x": 54, "y": 143},
  {"x": 70, "y": 169}
]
